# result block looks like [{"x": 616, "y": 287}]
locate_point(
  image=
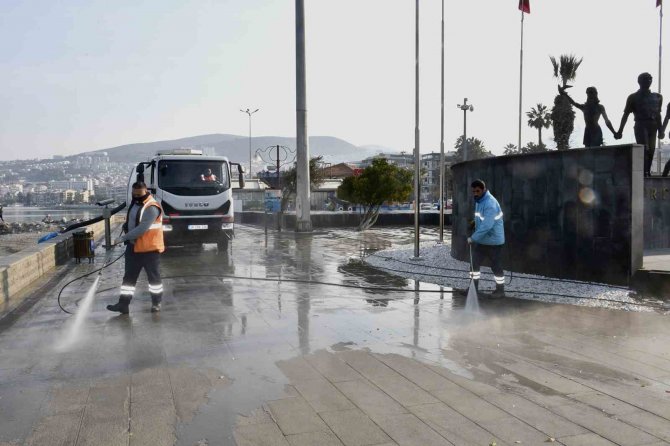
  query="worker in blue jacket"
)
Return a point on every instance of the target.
[{"x": 488, "y": 237}]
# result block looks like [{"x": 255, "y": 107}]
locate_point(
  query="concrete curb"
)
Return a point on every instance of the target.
[{"x": 19, "y": 270}]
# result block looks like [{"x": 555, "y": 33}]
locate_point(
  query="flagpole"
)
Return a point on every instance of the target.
[
  {"x": 660, "y": 80},
  {"x": 521, "y": 81}
]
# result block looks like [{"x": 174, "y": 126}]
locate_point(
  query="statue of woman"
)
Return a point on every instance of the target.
[{"x": 593, "y": 110}]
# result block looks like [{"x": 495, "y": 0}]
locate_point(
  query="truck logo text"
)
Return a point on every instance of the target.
[{"x": 197, "y": 205}]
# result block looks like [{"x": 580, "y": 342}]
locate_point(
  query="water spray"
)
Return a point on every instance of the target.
[{"x": 472, "y": 301}]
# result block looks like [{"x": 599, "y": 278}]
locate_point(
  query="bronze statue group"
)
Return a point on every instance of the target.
[{"x": 646, "y": 107}]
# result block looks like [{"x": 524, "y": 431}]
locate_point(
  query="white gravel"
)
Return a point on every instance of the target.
[{"x": 440, "y": 268}]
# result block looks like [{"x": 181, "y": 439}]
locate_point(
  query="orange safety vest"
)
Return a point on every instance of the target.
[{"x": 152, "y": 240}]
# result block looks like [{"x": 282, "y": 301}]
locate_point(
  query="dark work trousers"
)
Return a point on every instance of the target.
[
  {"x": 646, "y": 133},
  {"x": 492, "y": 253},
  {"x": 150, "y": 261}
]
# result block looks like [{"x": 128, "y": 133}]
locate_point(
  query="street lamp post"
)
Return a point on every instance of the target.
[
  {"x": 466, "y": 108},
  {"x": 249, "y": 112},
  {"x": 417, "y": 152},
  {"x": 442, "y": 138}
]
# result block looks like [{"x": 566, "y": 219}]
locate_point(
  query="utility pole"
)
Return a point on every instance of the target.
[
  {"x": 302, "y": 208},
  {"x": 417, "y": 153},
  {"x": 466, "y": 108},
  {"x": 248, "y": 112},
  {"x": 442, "y": 200}
]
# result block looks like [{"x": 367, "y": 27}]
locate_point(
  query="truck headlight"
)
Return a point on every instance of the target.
[
  {"x": 167, "y": 228},
  {"x": 228, "y": 226}
]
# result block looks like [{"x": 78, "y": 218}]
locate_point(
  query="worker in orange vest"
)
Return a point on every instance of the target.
[
  {"x": 144, "y": 244},
  {"x": 208, "y": 176}
]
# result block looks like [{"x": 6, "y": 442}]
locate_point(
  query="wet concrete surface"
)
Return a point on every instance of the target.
[{"x": 238, "y": 357}]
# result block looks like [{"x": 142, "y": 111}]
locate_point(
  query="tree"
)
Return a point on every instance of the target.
[
  {"x": 510, "y": 149},
  {"x": 563, "y": 115},
  {"x": 539, "y": 118},
  {"x": 531, "y": 147},
  {"x": 290, "y": 179},
  {"x": 476, "y": 149},
  {"x": 378, "y": 183}
]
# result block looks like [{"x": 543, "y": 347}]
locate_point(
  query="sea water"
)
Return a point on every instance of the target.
[
  {"x": 472, "y": 301},
  {"x": 74, "y": 328}
]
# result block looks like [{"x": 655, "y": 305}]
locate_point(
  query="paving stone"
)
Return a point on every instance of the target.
[
  {"x": 266, "y": 434},
  {"x": 151, "y": 386},
  {"x": 295, "y": 416},
  {"x": 599, "y": 423},
  {"x": 153, "y": 424},
  {"x": 298, "y": 369},
  {"x": 649, "y": 422},
  {"x": 323, "y": 396},
  {"x": 415, "y": 371},
  {"x": 365, "y": 364},
  {"x": 354, "y": 428},
  {"x": 536, "y": 416},
  {"x": 452, "y": 425},
  {"x": 369, "y": 398},
  {"x": 314, "y": 439},
  {"x": 56, "y": 429},
  {"x": 586, "y": 440},
  {"x": 512, "y": 430},
  {"x": 331, "y": 367},
  {"x": 257, "y": 416},
  {"x": 408, "y": 430},
  {"x": 605, "y": 403},
  {"x": 402, "y": 390},
  {"x": 545, "y": 377},
  {"x": 469, "y": 405}
]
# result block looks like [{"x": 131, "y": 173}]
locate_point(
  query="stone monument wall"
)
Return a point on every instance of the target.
[
  {"x": 657, "y": 213},
  {"x": 575, "y": 214}
]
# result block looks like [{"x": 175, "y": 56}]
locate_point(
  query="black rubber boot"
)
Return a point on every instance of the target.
[
  {"x": 499, "y": 293},
  {"x": 155, "y": 304},
  {"x": 122, "y": 306}
]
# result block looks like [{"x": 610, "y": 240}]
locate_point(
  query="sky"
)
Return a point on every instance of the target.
[{"x": 80, "y": 75}]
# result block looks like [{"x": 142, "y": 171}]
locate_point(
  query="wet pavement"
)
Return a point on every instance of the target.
[{"x": 334, "y": 352}]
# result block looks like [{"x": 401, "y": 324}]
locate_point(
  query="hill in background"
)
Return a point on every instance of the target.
[{"x": 236, "y": 148}]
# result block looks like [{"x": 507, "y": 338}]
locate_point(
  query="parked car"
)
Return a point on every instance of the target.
[{"x": 426, "y": 207}]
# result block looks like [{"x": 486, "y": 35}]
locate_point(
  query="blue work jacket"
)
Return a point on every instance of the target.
[{"x": 489, "y": 227}]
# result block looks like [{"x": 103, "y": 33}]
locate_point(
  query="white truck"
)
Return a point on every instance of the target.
[{"x": 195, "y": 192}]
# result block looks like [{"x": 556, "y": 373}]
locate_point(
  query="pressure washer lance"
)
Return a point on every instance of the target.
[{"x": 106, "y": 264}]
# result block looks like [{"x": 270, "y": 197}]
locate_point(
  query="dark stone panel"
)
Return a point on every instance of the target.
[
  {"x": 567, "y": 214},
  {"x": 656, "y": 204}
]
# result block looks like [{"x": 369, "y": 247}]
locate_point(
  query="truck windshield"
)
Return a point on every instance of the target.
[{"x": 193, "y": 177}]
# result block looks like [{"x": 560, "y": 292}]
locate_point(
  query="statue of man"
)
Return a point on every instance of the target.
[
  {"x": 646, "y": 108},
  {"x": 593, "y": 110}
]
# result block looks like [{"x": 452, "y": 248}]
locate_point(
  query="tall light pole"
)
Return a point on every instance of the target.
[
  {"x": 302, "y": 202},
  {"x": 248, "y": 112},
  {"x": 417, "y": 155},
  {"x": 466, "y": 108},
  {"x": 442, "y": 139}
]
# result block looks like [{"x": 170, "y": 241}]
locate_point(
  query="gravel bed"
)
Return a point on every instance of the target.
[{"x": 438, "y": 267}]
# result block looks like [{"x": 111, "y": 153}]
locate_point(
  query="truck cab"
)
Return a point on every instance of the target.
[{"x": 195, "y": 192}]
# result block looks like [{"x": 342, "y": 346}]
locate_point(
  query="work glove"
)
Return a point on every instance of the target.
[
  {"x": 119, "y": 241},
  {"x": 470, "y": 240}
]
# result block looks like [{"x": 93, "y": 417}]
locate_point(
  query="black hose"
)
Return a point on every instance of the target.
[{"x": 93, "y": 220}]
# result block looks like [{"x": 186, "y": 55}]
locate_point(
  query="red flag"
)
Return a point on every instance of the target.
[{"x": 524, "y": 5}]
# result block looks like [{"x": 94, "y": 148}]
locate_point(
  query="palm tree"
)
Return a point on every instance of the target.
[
  {"x": 539, "y": 118},
  {"x": 562, "y": 115}
]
